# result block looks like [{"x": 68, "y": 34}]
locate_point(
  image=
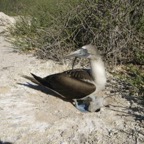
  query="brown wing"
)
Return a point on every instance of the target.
[
  {"x": 79, "y": 74},
  {"x": 72, "y": 84}
]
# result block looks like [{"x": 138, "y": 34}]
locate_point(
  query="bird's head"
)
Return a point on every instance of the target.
[{"x": 87, "y": 51}]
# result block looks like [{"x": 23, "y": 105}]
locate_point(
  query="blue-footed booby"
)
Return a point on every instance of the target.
[{"x": 80, "y": 84}]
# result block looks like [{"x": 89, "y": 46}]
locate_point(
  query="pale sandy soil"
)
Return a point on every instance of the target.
[{"x": 29, "y": 114}]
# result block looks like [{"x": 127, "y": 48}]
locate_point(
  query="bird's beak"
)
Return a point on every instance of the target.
[{"x": 79, "y": 53}]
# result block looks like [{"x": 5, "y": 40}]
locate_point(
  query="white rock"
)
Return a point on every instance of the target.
[{"x": 6, "y": 20}]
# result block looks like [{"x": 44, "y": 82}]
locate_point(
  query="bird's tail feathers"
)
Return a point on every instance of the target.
[{"x": 41, "y": 80}]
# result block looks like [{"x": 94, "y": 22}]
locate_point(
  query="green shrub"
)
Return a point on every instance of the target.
[
  {"x": 58, "y": 27},
  {"x": 139, "y": 57},
  {"x": 136, "y": 78},
  {"x": 15, "y": 7}
]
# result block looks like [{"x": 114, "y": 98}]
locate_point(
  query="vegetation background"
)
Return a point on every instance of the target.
[{"x": 53, "y": 28}]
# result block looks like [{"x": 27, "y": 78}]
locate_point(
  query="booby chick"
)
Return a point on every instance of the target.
[{"x": 80, "y": 84}]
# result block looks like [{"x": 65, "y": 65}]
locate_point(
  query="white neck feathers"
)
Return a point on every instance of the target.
[{"x": 98, "y": 73}]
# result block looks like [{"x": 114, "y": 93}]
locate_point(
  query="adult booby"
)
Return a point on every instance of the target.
[{"x": 80, "y": 84}]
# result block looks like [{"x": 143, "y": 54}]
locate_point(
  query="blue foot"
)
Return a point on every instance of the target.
[{"x": 82, "y": 107}]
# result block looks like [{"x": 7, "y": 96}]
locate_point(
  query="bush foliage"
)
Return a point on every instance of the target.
[{"x": 53, "y": 29}]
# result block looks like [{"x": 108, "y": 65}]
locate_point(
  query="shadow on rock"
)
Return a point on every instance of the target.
[
  {"x": 45, "y": 90},
  {"x": 1, "y": 142},
  {"x": 129, "y": 111}
]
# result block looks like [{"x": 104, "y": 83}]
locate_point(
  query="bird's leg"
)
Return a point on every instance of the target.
[
  {"x": 91, "y": 104},
  {"x": 80, "y": 107}
]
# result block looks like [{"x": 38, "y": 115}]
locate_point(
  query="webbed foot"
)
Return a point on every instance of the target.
[{"x": 81, "y": 105}]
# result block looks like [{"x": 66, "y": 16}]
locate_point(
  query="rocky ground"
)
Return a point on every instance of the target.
[{"x": 30, "y": 114}]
